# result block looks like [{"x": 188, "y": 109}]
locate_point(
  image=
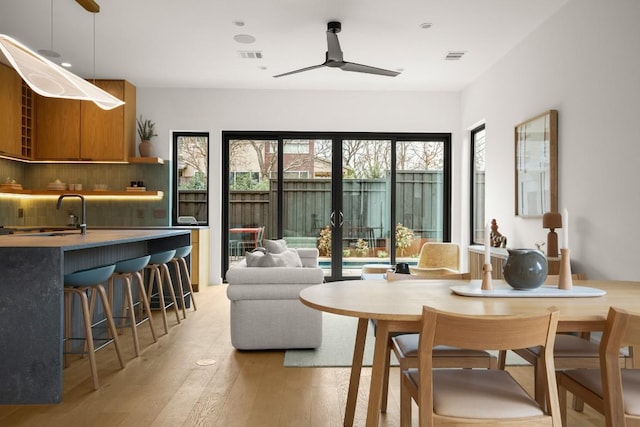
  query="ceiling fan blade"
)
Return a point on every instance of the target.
[
  {"x": 351, "y": 66},
  {"x": 313, "y": 67},
  {"x": 334, "y": 53}
]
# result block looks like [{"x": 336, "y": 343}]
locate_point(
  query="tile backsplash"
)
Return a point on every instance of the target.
[{"x": 116, "y": 177}]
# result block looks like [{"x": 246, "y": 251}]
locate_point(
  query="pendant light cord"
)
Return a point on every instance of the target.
[
  {"x": 94, "y": 48},
  {"x": 51, "y": 25}
]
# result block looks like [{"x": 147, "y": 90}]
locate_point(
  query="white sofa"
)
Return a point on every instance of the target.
[{"x": 266, "y": 312}]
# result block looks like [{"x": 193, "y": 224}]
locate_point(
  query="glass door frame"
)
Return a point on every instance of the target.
[{"x": 337, "y": 183}]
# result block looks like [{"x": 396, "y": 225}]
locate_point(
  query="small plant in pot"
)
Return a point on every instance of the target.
[{"x": 146, "y": 131}]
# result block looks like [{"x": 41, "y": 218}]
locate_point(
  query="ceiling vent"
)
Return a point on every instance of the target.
[
  {"x": 454, "y": 55},
  {"x": 248, "y": 54}
]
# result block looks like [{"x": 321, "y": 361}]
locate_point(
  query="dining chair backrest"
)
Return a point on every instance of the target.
[
  {"x": 622, "y": 329},
  {"x": 439, "y": 255},
  {"x": 486, "y": 333}
]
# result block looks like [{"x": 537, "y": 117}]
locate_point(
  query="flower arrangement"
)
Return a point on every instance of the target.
[
  {"x": 324, "y": 241},
  {"x": 362, "y": 247},
  {"x": 404, "y": 237}
]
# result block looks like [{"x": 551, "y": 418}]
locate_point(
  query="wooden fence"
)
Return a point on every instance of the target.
[{"x": 366, "y": 202}]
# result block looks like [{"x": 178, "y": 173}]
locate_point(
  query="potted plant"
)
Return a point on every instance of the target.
[
  {"x": 324, "y": 241},
  {"x": 146, "y": 131},
  {"x": 362, "y": 247},
  {"x": 404, "y": 237}
]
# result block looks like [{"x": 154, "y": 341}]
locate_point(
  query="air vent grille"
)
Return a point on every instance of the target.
[
  {"x": 250, "y": 54},
  {"x": 454, "y": 55}
]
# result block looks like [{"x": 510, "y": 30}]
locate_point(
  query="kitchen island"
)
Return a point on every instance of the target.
[{"x": 32, "y": 267}]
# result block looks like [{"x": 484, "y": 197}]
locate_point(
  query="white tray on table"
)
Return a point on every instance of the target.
[{"x": 503, "y": 290}]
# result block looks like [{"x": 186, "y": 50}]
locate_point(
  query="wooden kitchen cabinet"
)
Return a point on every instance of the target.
[
  {"x": 199, "y": 257},
  {"x": 109, "y": 134},
  {"x": 10, "y": 112},
  {"x": 57, "y": 130},
  {"x": 79, "y": 130}
]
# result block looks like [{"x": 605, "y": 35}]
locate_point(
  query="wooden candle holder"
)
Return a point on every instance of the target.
[
  {"x": 565, "y": 281},
  {"x": 487, "y": 284}
]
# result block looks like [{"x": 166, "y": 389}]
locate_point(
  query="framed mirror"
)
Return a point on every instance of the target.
[{"x": 536, "y": 149}]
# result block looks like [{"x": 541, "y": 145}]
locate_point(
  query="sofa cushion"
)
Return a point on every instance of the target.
[
  {"x": 275, "y": 246},
  {"x": 288, "y": 258},
  {"x": 260, "y": 259}
]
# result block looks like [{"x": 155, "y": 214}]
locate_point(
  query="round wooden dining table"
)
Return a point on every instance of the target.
[{"x": 397, "y": 307}]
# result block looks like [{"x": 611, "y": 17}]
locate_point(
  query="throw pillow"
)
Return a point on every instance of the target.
[
  {"x": 290, "y": 257},
  {"x": 260, "y": 259},
  {"x": 275, "y": 246}
]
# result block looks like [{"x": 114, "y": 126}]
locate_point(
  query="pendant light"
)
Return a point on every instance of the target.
[{"x": 49, "y": 79}]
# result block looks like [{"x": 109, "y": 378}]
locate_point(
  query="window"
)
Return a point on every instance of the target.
[
  {"x": 477, "y": 185},
  {"x": 191, "y": 177}
]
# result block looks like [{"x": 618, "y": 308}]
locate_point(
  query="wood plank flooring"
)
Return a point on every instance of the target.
[{"x": 194, "y": 377}]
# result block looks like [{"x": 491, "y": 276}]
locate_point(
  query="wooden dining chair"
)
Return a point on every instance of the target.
[
  {"x": 612, "y": 390},
  {"x": 479, "y": 396},
  {"x": 405, "y": 348},
  {"x": 569, "y": 351}
]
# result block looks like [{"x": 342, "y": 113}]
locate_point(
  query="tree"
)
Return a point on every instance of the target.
[{"x": 192, "y": 152}]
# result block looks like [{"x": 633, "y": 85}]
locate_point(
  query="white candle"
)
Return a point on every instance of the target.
[
  {"x": 487, "y": 244},
  {"x": 565, "y": 224}
]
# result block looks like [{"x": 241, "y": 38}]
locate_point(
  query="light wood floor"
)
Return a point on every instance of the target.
[{"x": 173, "y": 384}]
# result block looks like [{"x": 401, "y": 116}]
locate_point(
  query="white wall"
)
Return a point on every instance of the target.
[
  {"x": 584, "y": 62},
  {"x": 216, "y": 110}
]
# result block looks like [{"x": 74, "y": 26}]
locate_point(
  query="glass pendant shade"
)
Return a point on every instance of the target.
[{"x": 49, "y": 79}]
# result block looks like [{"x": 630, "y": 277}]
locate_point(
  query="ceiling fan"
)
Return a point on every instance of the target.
[{"x": 334, "y": 57}]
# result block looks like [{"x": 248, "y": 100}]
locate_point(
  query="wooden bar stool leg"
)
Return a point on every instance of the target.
[
  {"x": 188, "y": 279},
  {"x": 155, "y": 271},
  {"x": 145, "y": 305},
  {"x": 166, "y": 279},
  {"x": 68, "y": 307},
  {"x": 110, "y": 322},
  {"x": 87, "y": 320},
  {"x": 174, "y": 262},
  {"x": 132, "y": 314}
]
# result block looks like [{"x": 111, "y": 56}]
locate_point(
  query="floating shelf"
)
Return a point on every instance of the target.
[
  {"x": 146, "y": 160},
  {"x": 89, "y": 193}
]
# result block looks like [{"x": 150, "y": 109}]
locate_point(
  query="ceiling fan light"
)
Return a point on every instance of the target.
[{"x": 49, "y": 79}]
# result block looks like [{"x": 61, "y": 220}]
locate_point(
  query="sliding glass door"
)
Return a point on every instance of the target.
[{"x": 359, "y": 198}]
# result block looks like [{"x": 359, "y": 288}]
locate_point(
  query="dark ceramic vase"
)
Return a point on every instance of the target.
[{"x": 525, "y": 269}]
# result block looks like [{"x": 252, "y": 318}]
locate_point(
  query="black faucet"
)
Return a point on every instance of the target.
[{"x": 83, "y": 224}]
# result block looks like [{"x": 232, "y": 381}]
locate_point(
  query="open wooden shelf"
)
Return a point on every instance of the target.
[
  {"x": 149, "y": 193},
  {"x": 146, "y": 160}
]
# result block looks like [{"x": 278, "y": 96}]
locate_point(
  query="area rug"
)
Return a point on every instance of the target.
[{"x": 338, "y": 337}]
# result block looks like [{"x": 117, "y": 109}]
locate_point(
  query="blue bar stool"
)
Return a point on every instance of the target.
[
  {"x": 82, "y": 283},
  {"x": 180, "y": 264},
  {"x": 159, "y": 274},
  {"x": 126, "y": 271}
]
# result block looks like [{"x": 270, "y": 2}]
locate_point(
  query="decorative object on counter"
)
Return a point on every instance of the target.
[
  {"x": 402, "y": 268},
  {"x": 565, "y": 281},
  {"x": 496, "y": 238},
  {"x": 136, "y": 188},
  {"x": 100, "y": 187},
  {"x": 552, "y": 220},
  {"x": 11, "y": 184},
  {"x": 525, "y": 269},
  {"x": 57, "y": 185},
  {"x": 146, "y": 131}
]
